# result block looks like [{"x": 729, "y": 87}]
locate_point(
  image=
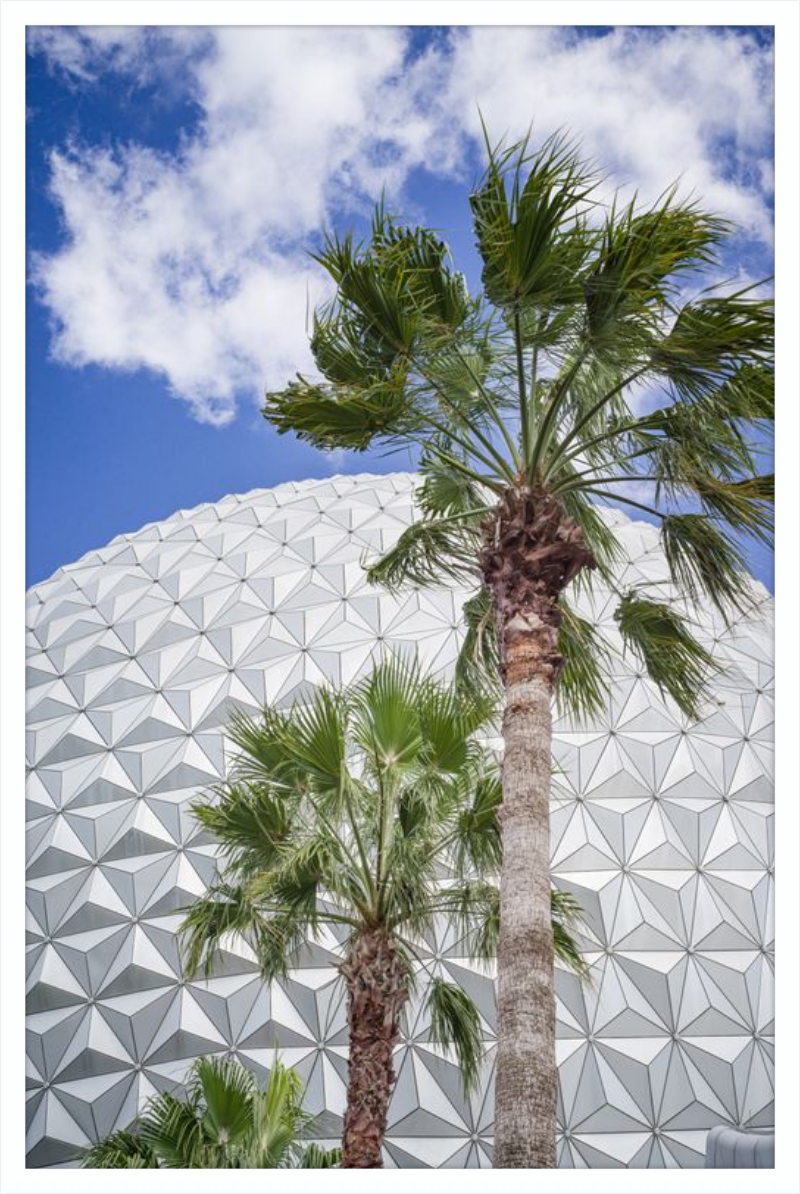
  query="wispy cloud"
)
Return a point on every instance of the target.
[{"x": 191, "y": 263}]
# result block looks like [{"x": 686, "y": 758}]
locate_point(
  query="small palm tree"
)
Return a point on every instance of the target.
[
  {"x": 524, "y": 404},
  {"x": 223, "y": 1121},
  {"x": 346, "y": 813}
]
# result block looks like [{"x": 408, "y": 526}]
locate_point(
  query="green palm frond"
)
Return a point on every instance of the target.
[
  {"x": 261, "y": 742},
  {"x": 704, "y": 562},
  {"x": 246, "y": 820},
  {"x": 385, "y": 723},
  {"x": 315, "y": 1157},
  {"x": 345, "y": 356},
  {"x": 172, "y": 1129},
  {"x": 427, "y": 552},
  {"x": 455, "y": 1022},
  {"x": 566, "y": 915},
  {"x": 473, "y": 906},
  {"x": 120, "y": 1150},
  {"x": 597, "y": 532},
  {"x": 530, "y": 236},
  {"x": 421, "y": 261},
  {"x": 294, "y": 882},
  {"x": 349, "y": 418},
  {"x": 477, "y": 844},
  {"x": 582, "y": 688},
  {"x": 316, "y": 742},
  {"x": 278, "y": 1120},
  {"x": 448, "y": 724},
  {"x": 674, "y": 659},
  {"x": 745, "y": 505},
  {"x": 748, "y": 392},
  {"x": 691, "y": 445},
  {"x": 711, "y": 339},
  {"x": 445, "y": 492},
  {"x": 226, "y": 908},
  {"x": 641, "y": 257},
  {"x": 226, "y": 1091},
  {"x": 478, "y": 665}
]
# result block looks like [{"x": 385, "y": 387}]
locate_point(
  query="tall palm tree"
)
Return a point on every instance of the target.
[
  {"x": 345, "y": 813},
  {"x": 590, "y": 367},
  {"x": 222, "y": 1121}
]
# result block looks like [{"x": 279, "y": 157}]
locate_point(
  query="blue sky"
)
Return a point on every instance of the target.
[{"x": 177, "y": 178}]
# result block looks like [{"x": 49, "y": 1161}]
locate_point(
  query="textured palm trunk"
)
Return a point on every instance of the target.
[
  {"x": 532, "y": 551},
  {"x": 377, "y": 987}
]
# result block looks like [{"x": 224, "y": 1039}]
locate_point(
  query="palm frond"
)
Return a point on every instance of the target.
[
  {"x": 582, "y": 688},
  {"x": 345, "y": 356},
  {"x": 449, "y": 720},
  {"x": 171, "y": 1127},
  {"x": 261, "y": 743},
  {"x": 427, "y": 552},
  {"x": 473, "y": 906},
  {"x": 455, "y": 1022},
  {"x": 278, "y": 1119},
  {"x": 220, "y": 1120},
  {"x": 642, "y": 254},
  {"x": 420, "y": 260},
  {"x": 345, "y": 417},
  {"x": 599, "y": 536},
  {"x": 249, "y": 822},
  {"x": 226, "y": 908},
  {"x": 385, "y": 722},
  {"x": 315, "y": 740},
  {"x": 705, "y": 562},
  {"x": 746, "y": 505},
  {"x": 316, "y": 1157},
  {"x": 445, "y": 492},
  {"x": 226, "y": 1091},
  {"x": 478, "y": 665},
  {"x": 294, "y": 881},
  {"x": 121, "y": 1150},
  {"x": 477, "y": 844},
  {"x": 527, "y": 217},
  {"x": 749, "y": 392},
  {"x": 676, "y": 662},
  {"x": 711, "y": 339},
  {"x": 566, "y": 914}
]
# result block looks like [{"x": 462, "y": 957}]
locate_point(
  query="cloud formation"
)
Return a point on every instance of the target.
[{"x": 191, "y": 263}]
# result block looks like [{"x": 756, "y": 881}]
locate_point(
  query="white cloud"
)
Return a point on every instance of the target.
[
  {"x": 191, "y": 264},
  {"x": 84, "y": 54},
  {"x": 649, "y": 107}
]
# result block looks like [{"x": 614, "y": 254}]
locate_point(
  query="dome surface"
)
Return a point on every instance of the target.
[{"x": 662, "y": 828}]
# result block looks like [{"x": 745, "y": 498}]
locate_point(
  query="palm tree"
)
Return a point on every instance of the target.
[
  {"x": 223, "y": 1121},
  {"x": 591, "y": 366},
  {"x": 345, "y": 813}
]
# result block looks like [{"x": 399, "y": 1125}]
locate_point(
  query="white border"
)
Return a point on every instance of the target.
[{"x": 14, "y": 15}]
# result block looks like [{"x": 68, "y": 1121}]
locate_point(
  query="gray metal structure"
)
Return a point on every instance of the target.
[
  {"x": 731, "y": 1148},
  {"x": 662, "y": 828}
]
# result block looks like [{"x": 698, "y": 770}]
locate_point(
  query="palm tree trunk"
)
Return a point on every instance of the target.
[
  {"x": 377, "y": 987},
  {"x": 531, "y": 552},
  {"x": 525, "y": 1087}
]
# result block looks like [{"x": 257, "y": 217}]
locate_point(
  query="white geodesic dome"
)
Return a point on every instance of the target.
[{"x": 662, "y": 828}]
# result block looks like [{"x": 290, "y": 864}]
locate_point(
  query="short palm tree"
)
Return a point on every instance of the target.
[
  {"x": 526, "y": 405},
  {"x": 371, "y": 812},
  {"x": 222, "y": 1121}
]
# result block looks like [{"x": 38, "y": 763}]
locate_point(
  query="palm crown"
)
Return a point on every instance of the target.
[
  {"x": 524, "y": 399},
  {"x": 222, "y": 1120}
]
